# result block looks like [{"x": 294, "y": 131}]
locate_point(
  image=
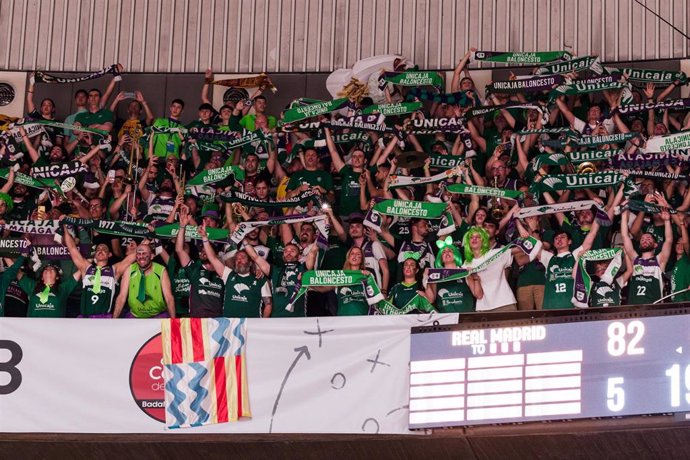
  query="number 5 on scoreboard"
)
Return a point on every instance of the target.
[{"x": 615, "y": 395}]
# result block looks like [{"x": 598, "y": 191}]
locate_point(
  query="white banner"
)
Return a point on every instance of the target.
[{"x": 325, "y": 375}]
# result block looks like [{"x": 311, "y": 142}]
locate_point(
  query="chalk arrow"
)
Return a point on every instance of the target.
[
  {"x": 301, "y": 351},
  {"x": 679, "y": 350}
]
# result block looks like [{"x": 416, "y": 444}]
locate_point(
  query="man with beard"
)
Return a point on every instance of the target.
[
  {"x": 646, "y": 284},
  {"x": 305, "y": 240},
  {"x": 146, "y": 288},
  {"x": 285, "y": 279},
  {"x": 160, "y": 205},
  {"x": 245, "y": 294},
  {"x": 419, "y": 228},
  {"x": 206, "y": 287},
  {"x": 99, "y": 279},
  {"x": 310, "y": 177}
]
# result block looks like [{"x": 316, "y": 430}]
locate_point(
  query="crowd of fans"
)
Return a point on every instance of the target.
[{"x": 157, "y": 217}]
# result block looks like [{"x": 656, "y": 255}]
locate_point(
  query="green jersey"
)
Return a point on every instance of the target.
[
  {"x": 146, "y": 301},
  {"x": 244, "y": 295},
  {"x": 312, "y": 178},
  {"x": 558, "y": 288},
  {"x": 352, "y": 301},
  {"x": 680, "y": 279},
  {"x": 165, "y": 144},
  {"x": 646, "y": 283},
  {"x": 349, "y": 194},
  {"x": 52, "y": 305},
  {"x": 401, "y": 294},
  {"x": 98, "y": 291},
  {"x": 285, "y": 282},
  {"x": 180, "y": 287},
  {"x": 605, "y": 295},
  {"x": 454, "y": 297},
  {"x": 6, "y": 278}
]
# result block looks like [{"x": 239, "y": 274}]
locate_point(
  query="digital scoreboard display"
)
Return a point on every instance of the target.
[{"x": 579, "y": 369}]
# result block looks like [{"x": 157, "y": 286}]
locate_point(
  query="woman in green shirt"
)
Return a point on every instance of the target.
[
  {"x": 48, "y": 295},
  {"x": 351, "y": 299},
  {"x": 457, "y": 295},
  {"x": 407, "y": 295}
]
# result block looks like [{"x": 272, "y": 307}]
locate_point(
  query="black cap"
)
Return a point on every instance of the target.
[{"x": 206, "y": 106}]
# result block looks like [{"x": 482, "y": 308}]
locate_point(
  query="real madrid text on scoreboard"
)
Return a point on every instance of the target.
[{"x": 570, "y": 370}]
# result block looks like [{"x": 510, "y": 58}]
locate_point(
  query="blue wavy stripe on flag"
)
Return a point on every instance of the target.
[
  {"x": 201, "y": 394},
  {"x": 238, "y": 333},
  {"x": 178, "y": 396},
  {"x": 219, "y": 337}
]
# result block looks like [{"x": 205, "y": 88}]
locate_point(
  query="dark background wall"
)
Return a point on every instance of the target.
[{"x": 160, "y": 89}]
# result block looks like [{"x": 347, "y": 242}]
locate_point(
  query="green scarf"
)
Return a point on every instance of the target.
[
  {"x": 405, "y": 181},
  {"x": 440, "y": 161},
  {"x": 414, "y": 78},
  {"x": 484, "y": 191},
  {"x": 418, "y": 302},
  {"x": 302, "y": 199},
  {"x": 590, "y": 85},
  {"x": 578, "y": 156},
  {"x": 400, "y": 108},
  {"x": 574, "y": 65},
  {"x": 676, "y": 141},
  {"x": 594, "y": 141},
  {"x": 660, "y": 77},
  {"x": 559, "y": 182},
  {"x": 583, "y": 282},
  {"x": 192, "y": 232},
  {"x": 314, "y": 278},
  {"x": 410, "y": 209},
  {"x": 302, "y": 112},
  {"x": 209, "y": 176},
  {"x": 111, "y": 227},
  {"x": 29, "y": 181},
  {"x": 530, "y": 58}
]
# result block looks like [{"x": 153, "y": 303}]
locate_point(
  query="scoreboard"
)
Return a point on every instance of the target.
[{"x": 581, "y": 369}]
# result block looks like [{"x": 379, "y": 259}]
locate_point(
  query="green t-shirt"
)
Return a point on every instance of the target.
[
  {"x": 243, "y": 296},
  {"x": 531, "y": 274},
  {"x": 352, "y": 301},
  {"x": 558, "y": 289},
  {"x": 312, "y": 178},
  {"x": 401, "y": 294},
  {"x": 6, "y": 278},
  {"x": 180, "y": 287},
  {"x": 605, "y": 295},
  {"x": 56, "y": 304},
  {"x": 454, "y": 297},
  {"x": 680, "y": 279},
  {"x": 578, "y": 235},
  {"x": 249, "y": 121},
  {"x": 87, "y": 118},
  {"x": 349, "y": 193}
]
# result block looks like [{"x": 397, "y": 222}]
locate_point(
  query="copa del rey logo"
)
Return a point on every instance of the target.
[{"x": 146, "y": 379}]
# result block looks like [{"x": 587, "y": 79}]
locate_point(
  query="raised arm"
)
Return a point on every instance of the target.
[
  {"x": 625, "y": 235},
  {"x": 218, "y": 265},
  {"x": 182, "y": 255},
  {"x": 10, "y": 182},
  {"x": 563, "y": 107},
  {"x": 166, "y": 287},
  {"x": 33, "y": 153},
  {"x": 338, "y": 162},
  {"x": 455, "y": 83},
  {"x": 139, "y": 96},
  {"x": 30, "y": 106},
  {"x": 260, "y": 262},
  {"x": 122, "y": 296},
  {"x": 79, "y": 261}
]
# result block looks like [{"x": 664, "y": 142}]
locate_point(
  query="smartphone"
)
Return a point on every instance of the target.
[
  {"x": 111, "y": 176},
  {"x": 130, "y": 95},
  {"x": 41, "y": 213}
]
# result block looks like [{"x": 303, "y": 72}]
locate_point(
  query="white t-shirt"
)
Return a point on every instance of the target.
[
  {"x": 497, "y": 291},
  {"x": 580, "y": 125}
]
